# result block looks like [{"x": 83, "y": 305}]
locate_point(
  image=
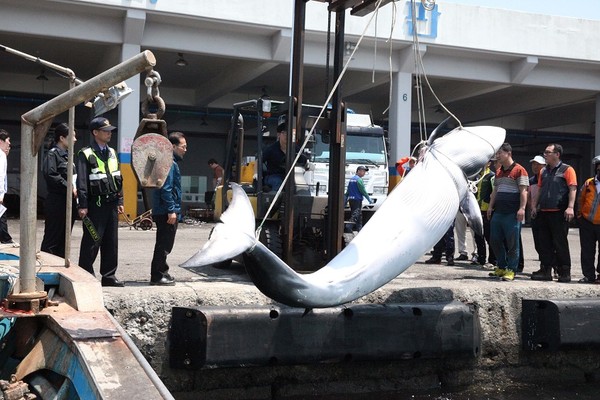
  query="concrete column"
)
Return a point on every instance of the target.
[
  {"x": 129, "y": 109},
  {"x": 129, "y": 120},
  {"x": 399, "y": 129}
]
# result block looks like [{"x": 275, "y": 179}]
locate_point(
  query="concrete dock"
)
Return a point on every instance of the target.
[{"x": 145, "y": 311}]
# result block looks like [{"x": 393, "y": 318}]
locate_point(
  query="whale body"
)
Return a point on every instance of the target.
[{"x": 415, "y": 215}]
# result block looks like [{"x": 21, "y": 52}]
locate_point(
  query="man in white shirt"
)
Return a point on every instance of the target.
[{"x": 4, "y": 150}]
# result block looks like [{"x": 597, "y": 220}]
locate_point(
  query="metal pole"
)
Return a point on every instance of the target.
[
  {"x": 295, "y": 110},
  {"x": 34, "y": 125},
  {"x": 43, "y": 62},
  {"x": 337, "y": 146},
  {"x": 69, "y": 203}
]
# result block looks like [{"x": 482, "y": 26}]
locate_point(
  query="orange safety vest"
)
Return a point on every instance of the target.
[{"x": 588, "y": 202}]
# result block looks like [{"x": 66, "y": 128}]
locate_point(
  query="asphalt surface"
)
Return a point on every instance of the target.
[{"x": 136, "y": 247}]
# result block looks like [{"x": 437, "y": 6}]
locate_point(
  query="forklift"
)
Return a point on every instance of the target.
[
  {"x": 304, "y": 234},
  {"x": 250, "y": 122}
]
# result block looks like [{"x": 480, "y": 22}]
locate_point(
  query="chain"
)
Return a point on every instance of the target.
[{"x": 153, "y": 95}]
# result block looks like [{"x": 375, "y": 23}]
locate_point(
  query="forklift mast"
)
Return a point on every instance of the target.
[{"x": 335, "y": 223}]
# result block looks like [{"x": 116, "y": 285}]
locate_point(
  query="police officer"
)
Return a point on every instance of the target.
[
  {"x": 99, "y": 184},
  {"x": 55, "y": 174}
]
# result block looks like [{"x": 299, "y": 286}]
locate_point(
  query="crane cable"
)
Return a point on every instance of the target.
[
  {"x": 310, "y": 133},
  {"x": 421, "y": 75}
]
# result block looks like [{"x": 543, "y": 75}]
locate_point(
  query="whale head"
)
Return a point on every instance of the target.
[{"x": 470, "y": 148}]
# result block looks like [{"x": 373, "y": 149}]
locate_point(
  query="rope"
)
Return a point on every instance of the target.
[
  {"x": 310, "y": 133},
  {"x": 394, "y": 13},
  {"x": 420, "y": 73}
]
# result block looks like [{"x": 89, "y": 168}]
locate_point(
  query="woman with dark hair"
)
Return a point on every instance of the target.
[{"x": 55, "y": 206}]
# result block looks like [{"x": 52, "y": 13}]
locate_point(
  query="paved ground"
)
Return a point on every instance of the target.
[{"x": 136, "y": 246}]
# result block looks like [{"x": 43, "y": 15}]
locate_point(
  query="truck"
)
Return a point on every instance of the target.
[{"x": 366, "y": 146}]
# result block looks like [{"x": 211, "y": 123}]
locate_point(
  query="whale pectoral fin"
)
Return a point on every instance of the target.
[
  {"x": 231, "y": 237},
  {"x": 470, "y": 209},
  {"x": 436, "y": 132}
]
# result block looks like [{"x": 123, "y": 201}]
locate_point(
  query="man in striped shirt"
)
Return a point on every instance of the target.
[{"x": 507, "y": 212}]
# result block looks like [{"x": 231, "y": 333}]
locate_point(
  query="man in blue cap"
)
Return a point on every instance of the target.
[
  {"x": 99, "y": 185},
  {"x": 354, "y": 194}
]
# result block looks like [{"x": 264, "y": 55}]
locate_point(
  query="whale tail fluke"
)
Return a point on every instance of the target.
[{"x": 231, "y": 237}]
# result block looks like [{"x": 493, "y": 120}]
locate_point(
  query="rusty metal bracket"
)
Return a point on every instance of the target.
[
  {"x": 33, "y": 302},
  {"x": 15, "y": 390}
]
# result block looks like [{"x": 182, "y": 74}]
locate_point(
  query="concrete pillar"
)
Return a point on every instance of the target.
[
  {"x": 129, "y": 109},
  {"x": 399, "y": 129}
]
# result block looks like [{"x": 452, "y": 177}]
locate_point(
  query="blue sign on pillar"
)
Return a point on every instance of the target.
[{"x": 426, "y": 21}]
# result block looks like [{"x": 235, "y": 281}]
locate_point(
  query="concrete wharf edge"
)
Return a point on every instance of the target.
[{"x": 144, "y": 311}]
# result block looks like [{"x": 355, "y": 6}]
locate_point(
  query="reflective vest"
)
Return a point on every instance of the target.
[
  {"x": 588, "y": 202},
  {"x": 484, "y": 189},
  {"x": 104, "y": 178}
]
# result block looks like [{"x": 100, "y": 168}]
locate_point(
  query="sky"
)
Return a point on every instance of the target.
[{"x": 567, "y": 8}]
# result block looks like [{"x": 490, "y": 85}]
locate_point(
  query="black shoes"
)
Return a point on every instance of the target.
[
  {"x": 435, "y": 260},
  {"x": 462, "y": 257},
  {"x": 112, "y": 283},
  {"x": 450, "y": 261},
  {"x": 167, "y": 280},
  {"x": 544, "y": 274}
]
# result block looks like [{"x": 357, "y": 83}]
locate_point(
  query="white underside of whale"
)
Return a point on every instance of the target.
[{"x": 412, "y": 219}]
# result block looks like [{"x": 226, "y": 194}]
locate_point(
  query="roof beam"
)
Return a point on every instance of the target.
[
  {"x": 230, "y": 80},
  {"x": 521, "y": 68},
  {"x": 134, "y": 24}
]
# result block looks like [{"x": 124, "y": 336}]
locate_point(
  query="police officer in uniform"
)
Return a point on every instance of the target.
[
  {"x": 99, "y": 184},
  {"x": 55, "y": 174}
]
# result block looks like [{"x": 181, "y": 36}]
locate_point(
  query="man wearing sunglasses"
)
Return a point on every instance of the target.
[{"x": 552, "y": 207}]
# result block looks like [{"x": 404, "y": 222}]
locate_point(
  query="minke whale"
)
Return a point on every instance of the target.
[{"x": 412, "y": 219}]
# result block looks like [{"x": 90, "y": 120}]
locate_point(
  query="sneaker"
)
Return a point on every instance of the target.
[
  {"x": 462, "y": 257},
  {"x": 478, "y": 261},
  {"x": 498, "y": 273},
  {"x": 450, "y": 262},
  {"x": 488, "y": 266},
  {"x": 433, "y": 260},
  {"x": 508, "y": 275}
]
